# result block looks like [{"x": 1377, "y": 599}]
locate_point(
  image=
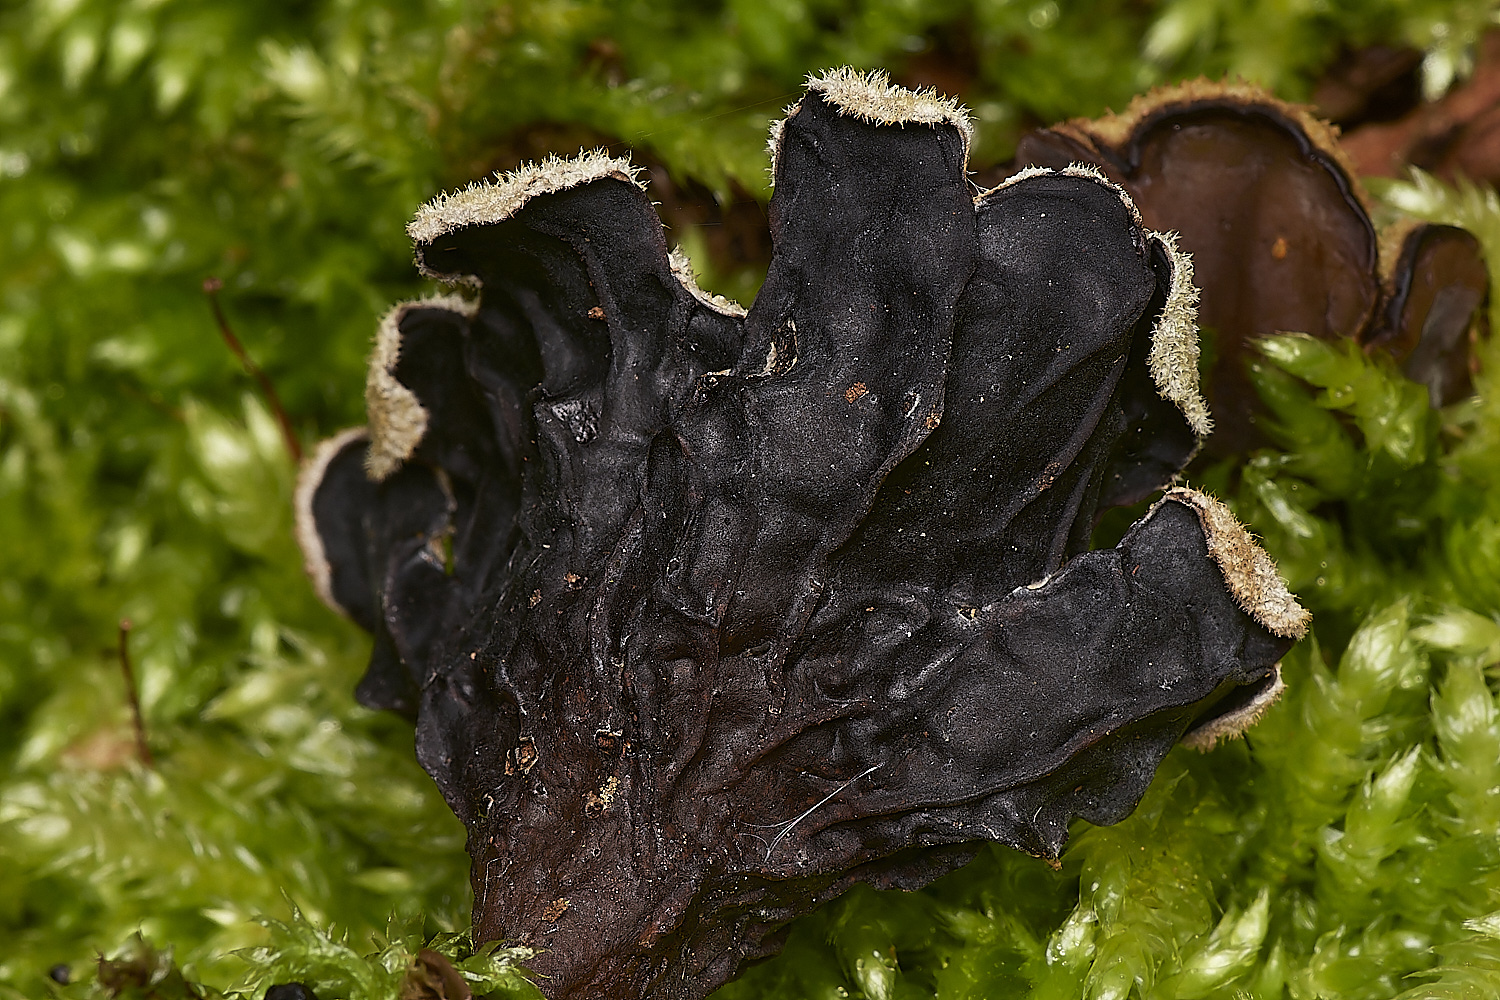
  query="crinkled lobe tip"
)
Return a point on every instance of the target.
[
  {"x": 486, "y": 202},
  {"x": 1251, "y": 575},
  {"x": 397, "y": 419},
  {"x": 871, "y": 97},
  {"x": 309, "y": 478},
  {"x": 1174, "y": 340},
  {"x": 1087, "y": 170},
  {"x": 1173, "y": 359},
  {"x": 1232, "y": 725},
  {"x": 682, "y": 270}
]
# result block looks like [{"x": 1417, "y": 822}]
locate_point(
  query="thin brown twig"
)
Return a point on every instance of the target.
[
  {"x": 211, "y": 288},
  {"x": 135, "y": 702}
]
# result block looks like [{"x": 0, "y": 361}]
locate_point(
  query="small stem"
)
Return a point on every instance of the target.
[
  {"x": 135, "y": 701},
  {"x": 211, "y": 288}
]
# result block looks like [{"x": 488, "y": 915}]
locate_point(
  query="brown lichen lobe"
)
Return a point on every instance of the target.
[{"x": 1265, "y": 198}]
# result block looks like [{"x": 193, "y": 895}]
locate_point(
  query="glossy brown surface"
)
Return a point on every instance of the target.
[
  {"x": 1436, "y": 309},
  {"x": 1280, "y": 237}
]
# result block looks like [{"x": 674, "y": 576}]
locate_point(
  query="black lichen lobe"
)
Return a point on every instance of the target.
[{"x": 705, "y": 615}]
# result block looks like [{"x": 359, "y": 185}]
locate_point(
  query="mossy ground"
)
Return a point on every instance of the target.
[{"x": 1350, "y": 848}]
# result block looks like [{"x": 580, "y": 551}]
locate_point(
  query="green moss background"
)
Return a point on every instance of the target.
[{"x": 1349, "y": 849}]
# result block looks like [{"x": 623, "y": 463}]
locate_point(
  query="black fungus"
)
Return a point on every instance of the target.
[{"x": 705, "y": 615}]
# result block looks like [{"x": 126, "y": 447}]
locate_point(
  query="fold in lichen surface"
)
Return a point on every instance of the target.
[{"x": 704, "y": 617}]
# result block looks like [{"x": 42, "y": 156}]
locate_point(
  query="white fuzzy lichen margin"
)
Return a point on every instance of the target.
[
  {"x": 1251, "y": 575},
  {"x": 1173, "y": 360},
  {"x": 682, "y": 270},
  {"x": 1087, "y": 170},
  {"x": 1233, "y": 724},
  {"x": 1024, "y": 174},
  {"x": 489, "y": 201},
  {"x": 309, "y": 478},
  {"x": 397, "y": 418},
  {"x": 1096, "y": 175},
  {"x": 872, "y": 98}
]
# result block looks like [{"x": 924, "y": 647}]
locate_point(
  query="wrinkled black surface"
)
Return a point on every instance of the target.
[{"x": 713, "y": 647}]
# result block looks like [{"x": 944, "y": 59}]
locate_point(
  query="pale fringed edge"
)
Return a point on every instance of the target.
[
  {"x": 490, "y": 201},
  {"x": 1095, "y": 174},
  {"x": 396, "y": 417},
  {"x": 871, "y": 97},
  {"x": 1086, "y": 170},
  {"x": 1251, "y": 575},
  {"x": 773, "y": 141},
  {"x": 682, "y": 269},
  {"x": 1173, "y": 360},
  {"x": 309, "y": 478},
  {"x": 1024, "y": 174},
  {"x": 1232, "y": 725}
]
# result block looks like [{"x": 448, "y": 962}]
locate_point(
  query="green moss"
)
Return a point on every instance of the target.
[{"x": 286, "y": 833}]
